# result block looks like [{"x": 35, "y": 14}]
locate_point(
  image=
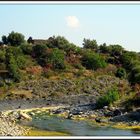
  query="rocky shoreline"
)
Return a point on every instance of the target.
[
  {"x": 105, "y": 116},
  {"x": 9, "y": 127}
]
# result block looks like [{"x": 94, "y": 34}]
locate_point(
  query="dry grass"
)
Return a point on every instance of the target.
[{"x": 25, "y": 93}]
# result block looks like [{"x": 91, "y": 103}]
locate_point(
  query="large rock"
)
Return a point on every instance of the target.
[
  {"x": 25, "y": 116},
  {"x": 15, "y": 115},
  {"x": 132, "y": 116},
  {"x": 101, "y": 120},
  {"x": 117, "y": 112}
]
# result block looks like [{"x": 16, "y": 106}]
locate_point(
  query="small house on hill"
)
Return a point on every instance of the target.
[{"x": 39, "y": 41}]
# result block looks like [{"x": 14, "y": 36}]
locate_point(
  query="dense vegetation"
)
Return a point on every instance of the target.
[{"x": 21, "y": 59}]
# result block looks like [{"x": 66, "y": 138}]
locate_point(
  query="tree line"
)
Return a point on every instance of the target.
[{"x": 56, "y": 53}]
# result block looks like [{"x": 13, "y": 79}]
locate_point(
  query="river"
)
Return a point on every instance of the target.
[{"x": 76, "y": 128}]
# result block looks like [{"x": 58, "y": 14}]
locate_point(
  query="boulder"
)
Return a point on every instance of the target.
[
  {"x": 109, "y": 114},
  {"x": 25, "y": 116},
  {"x": 57, "y": 111},
  {"x": 105, "y": 107},
  {"x": 117, "y": 112},
  {"x": 101, "y": 120},
  {"x": 15, "y": 115},
  {"x": 98, "y": 120},
  {"x": 69, "y": 116}
]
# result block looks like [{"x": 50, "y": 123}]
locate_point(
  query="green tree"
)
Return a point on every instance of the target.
[
  {"x": 127, "y": 58},
  {"x": 15, "y": 39},
  {"x": 39, "y": 50},
  {"x": 12, "y": 66},
  {"x": 134, "y": 75},
  {"x": 58, "y": 42},
  {"x": 93, "y": 61},
  {"x": 116, "y": 50},
  {"x": 4, "y": 40},
  {"x": 54, "y": 57},
  {"x": 26, "y": 48},
  {"x": 90, "y": 44},
  {"x": 104, "y": 48},
  {"x": 21, "y": 61}
]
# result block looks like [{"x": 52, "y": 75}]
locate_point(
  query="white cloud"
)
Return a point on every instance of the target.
[{"x": 72, "y": 21}]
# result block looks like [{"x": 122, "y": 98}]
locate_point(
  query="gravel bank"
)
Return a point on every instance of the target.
[{"x": 8, "y": 127}]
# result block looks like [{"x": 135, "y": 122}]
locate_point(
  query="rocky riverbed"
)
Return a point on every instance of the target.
[
  {"x": 10, "y": 120},
  {"x": 9, "y": 127}
]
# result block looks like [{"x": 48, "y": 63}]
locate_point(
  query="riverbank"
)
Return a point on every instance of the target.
[
  {"x": 8, "y": 127},
  {"x": 94, "y": 117}
]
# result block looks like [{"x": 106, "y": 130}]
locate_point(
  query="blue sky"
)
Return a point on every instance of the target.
[{"x": 113, "y": 24}]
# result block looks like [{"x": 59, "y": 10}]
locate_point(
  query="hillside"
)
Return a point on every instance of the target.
[{"x": 58, "y": 71}]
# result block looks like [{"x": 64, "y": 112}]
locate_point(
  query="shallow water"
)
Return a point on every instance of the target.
[{"x": 76, "y": 128}]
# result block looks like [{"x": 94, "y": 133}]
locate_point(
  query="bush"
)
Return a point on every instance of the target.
[
  {"x": 21, "y": 62},
  {"x": 121, "y": 73},
  {"x": 26, "y": 48},
  {"x": 127, "y": 58},
  {"x": 104, "y": 48},
  {"x": 110, "y": 97},
  {"x": 12, "y": 55},
  {"x": 39, "y": 50},
  {"x": 57, "y": 59},
  {"x": 93, "y": 61},
  {"x": 134, "y": 75},
  {"x": 14, "y": 70},
  {"x": 116, "y": 50},
  {"x": 2, "y": 56}
]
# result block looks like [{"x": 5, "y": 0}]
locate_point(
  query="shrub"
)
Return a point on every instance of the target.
[
  {"x": 104, "y": 48},
  {"x": 26, "y": 48},
  {"x": 57, "y": 59},
  {"x": 93, "y": 61},
  {"x": 39, "y": 50},
  {"x": 54, "y": 57},
  {"x": 134, "y": 75},
  {"x": 110, "y": 97},
  {"x": 127, "y": 58},
  {"x": 116, "y": 50},
  {"x": 121, "y": 73},
  {"x": 12, "y": 55},
  {"x": 13, "y": 69},
  {"x": 21, "y": 62},
  {"x": 2, "y": 56}
]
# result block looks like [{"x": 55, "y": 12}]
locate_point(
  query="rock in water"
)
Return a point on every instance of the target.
[{"x": 25, "y": 116}]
